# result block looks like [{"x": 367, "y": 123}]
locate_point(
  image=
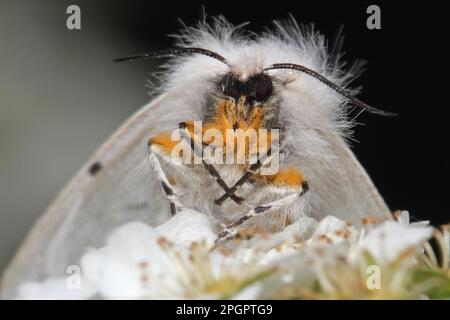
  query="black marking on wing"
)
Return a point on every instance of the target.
[{"x": 95, "y": 168}]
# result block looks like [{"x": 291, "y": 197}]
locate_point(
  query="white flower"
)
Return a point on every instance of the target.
[
  {"x": 120, "y": 269},
  {"x": 332, "y": 230},
  {"x": 142, "y": 262},
  {"x": 275, "y": 246},
  {"x": 404, "y": 219},
  {"x": 188, "y": 226},
  {"x": 307, "y": 232},
  {"x": 390, "y": 240},
  {"x": 181, "y": 259}
]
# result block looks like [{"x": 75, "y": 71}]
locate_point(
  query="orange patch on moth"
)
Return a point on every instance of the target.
[
  {"x": 164, "y": 140},
  {"x": 230, "y": 116},
  {"x": 286, "y": 177},
  {"x": 196, "y": 136}
]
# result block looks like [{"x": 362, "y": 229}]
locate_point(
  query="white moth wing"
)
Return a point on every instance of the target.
[
  {"x": 367, "y": 198},
  {"x": 358, "y": 196},
  {"x": 339, "y": 185},
  {"x": 90, "y": 206}
]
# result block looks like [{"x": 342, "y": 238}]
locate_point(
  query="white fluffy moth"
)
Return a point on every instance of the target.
[{"x": 283, "y": 91}]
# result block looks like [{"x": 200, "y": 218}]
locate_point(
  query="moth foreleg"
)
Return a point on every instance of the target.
[
  {"x": 156, "y": 149},
  {"x": 288, "y": 181},
  {"x": 231, "y": 229},
  {"x": 187, "y": 135},
  {"x": 248, "y": 174}
]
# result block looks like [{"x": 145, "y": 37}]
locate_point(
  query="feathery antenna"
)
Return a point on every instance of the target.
[
  {"x": 333, "y": 86},
  {"x": 173, "y": 52}
]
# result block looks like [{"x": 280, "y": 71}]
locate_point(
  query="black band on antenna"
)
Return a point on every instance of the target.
[
  {"x": 333, "y": 86},
  {"x": 173, "y": 52}
]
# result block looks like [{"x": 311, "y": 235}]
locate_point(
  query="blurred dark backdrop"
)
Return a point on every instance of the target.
[{"x": 60, "y": 95}]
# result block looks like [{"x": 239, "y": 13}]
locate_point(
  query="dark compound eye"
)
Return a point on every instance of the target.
[
  {"x": 261, "y": 87},
  {"x": 231, "y": 86},
  {"x": 257, "y": 88}
]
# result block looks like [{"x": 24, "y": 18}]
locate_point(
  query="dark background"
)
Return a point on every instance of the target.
[{"x": 60, "y": 95}]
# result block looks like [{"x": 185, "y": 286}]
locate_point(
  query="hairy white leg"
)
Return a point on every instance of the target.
[
  {"x": 207, "y": 162},
  {"x": 254, "y": 168},
  {"x": 167, "y": 187},
  {"x": 231, "y": 229}
]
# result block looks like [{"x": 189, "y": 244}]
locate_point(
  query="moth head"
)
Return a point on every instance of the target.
[{"x": 256, "y": 89}]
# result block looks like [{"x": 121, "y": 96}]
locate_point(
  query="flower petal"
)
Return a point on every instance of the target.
[{"x": 388, "y": 241}]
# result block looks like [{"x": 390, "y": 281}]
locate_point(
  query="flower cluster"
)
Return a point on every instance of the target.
[{"x": 309, "y": 259}]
